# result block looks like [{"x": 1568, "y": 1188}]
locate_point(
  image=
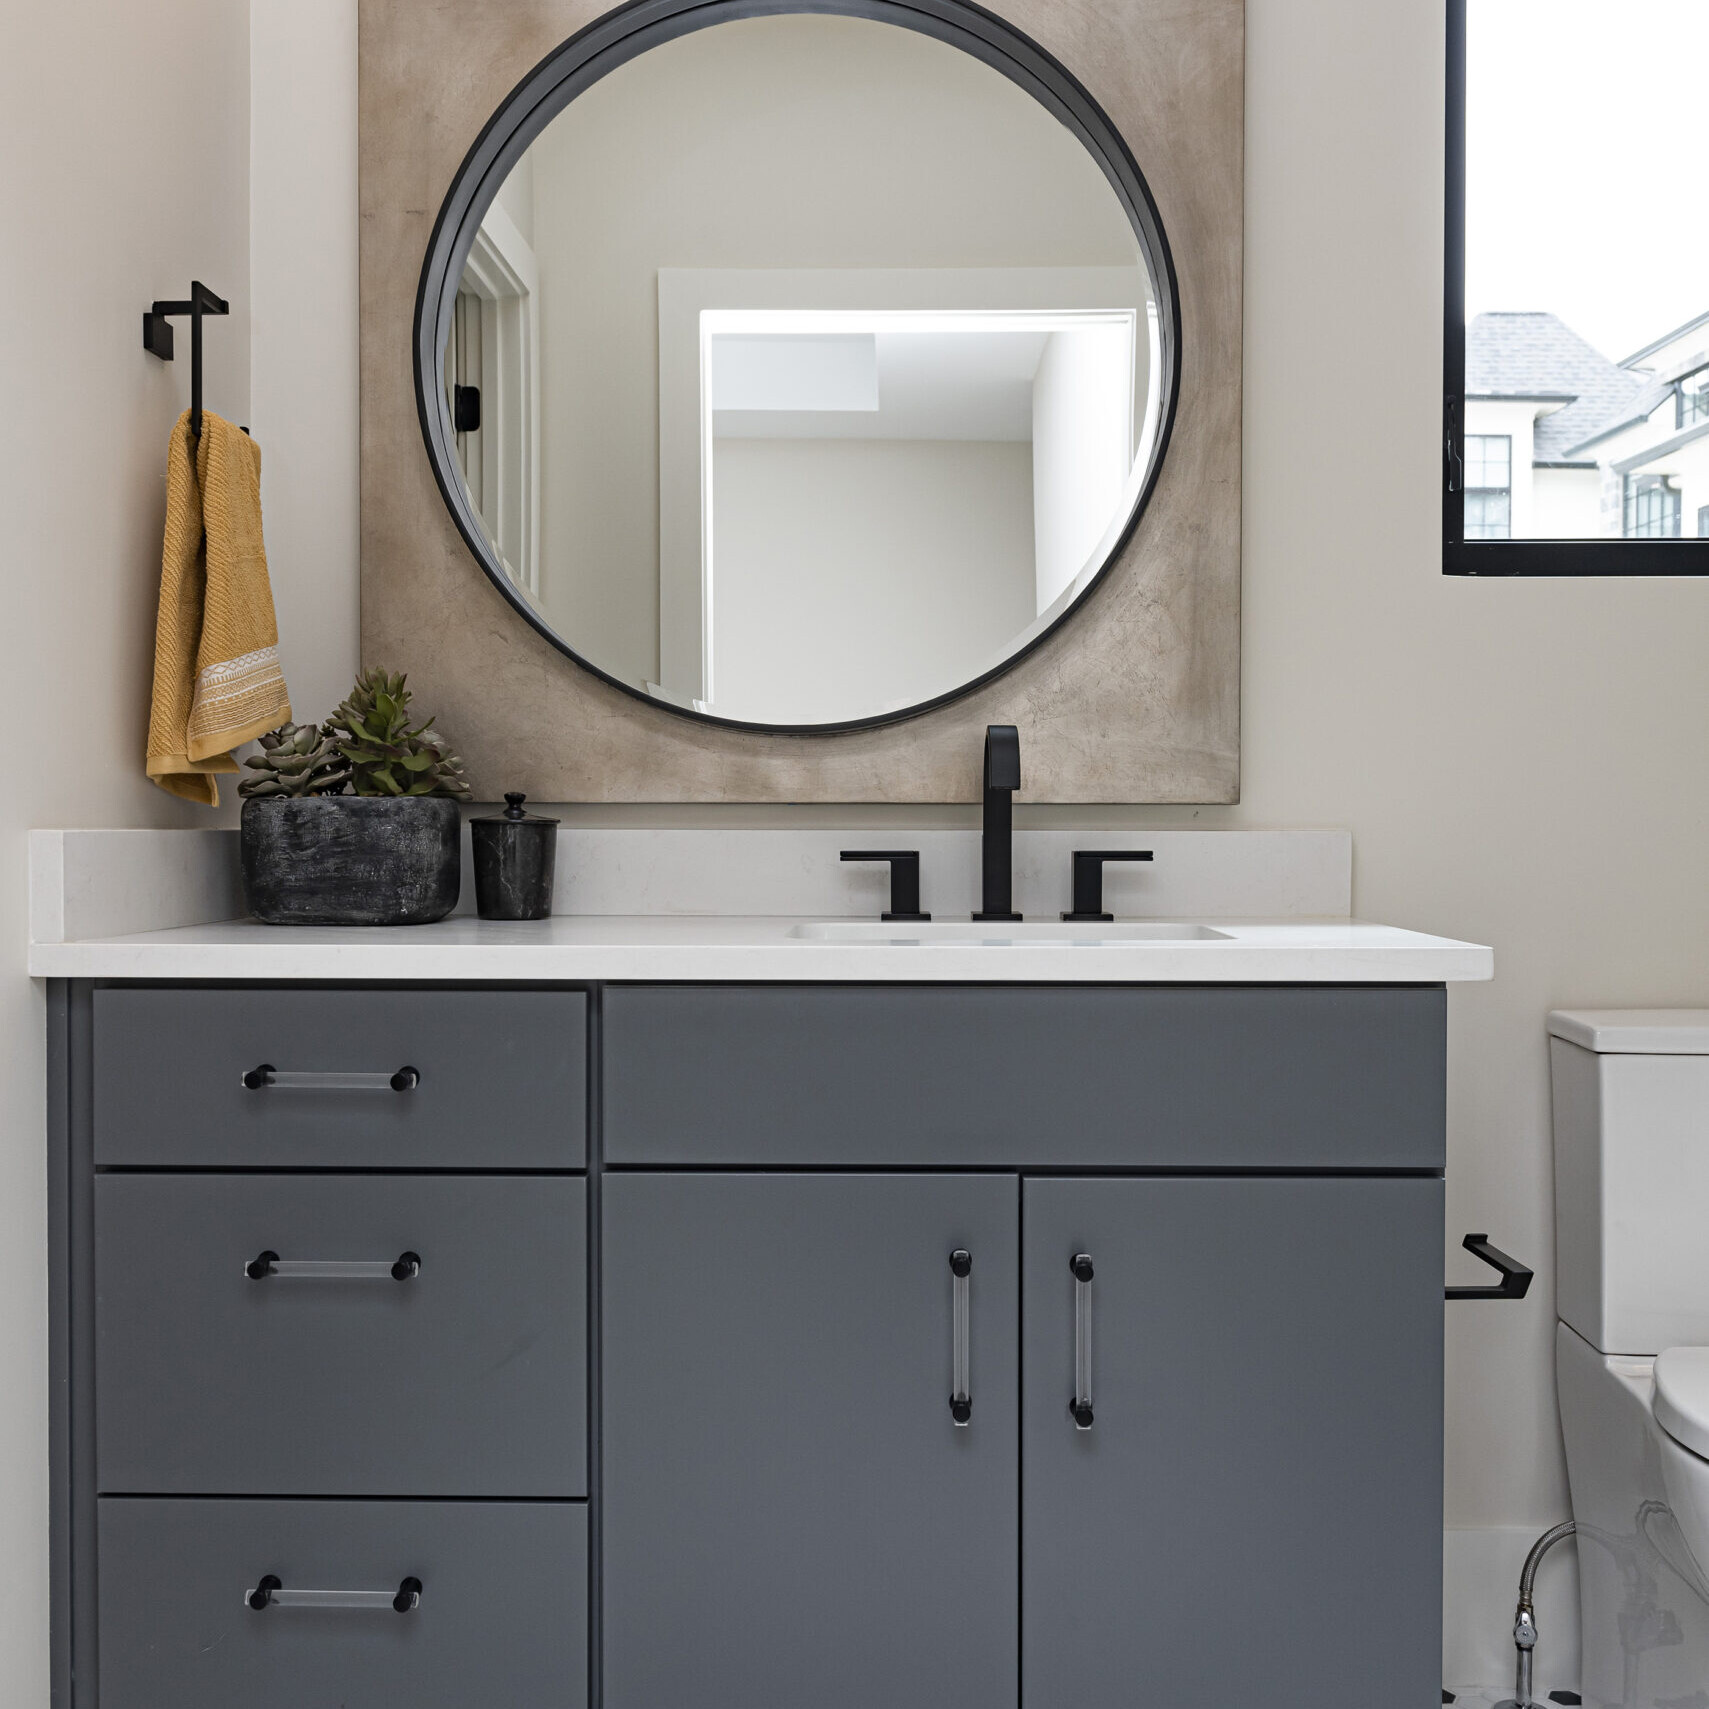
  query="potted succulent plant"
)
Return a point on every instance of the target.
[{"x": 354, "y": 822}]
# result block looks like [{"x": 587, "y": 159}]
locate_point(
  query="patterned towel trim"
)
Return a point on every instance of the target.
[{"x": 232, "y": 694}]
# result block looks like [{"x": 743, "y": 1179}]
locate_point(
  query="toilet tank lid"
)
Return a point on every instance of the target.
[
  {"x": 1681, "y": 1403},
  {"x": 1641, "y": 1032}
]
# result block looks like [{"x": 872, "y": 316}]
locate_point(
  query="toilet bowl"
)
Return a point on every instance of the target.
[{"x": 1631, "y": 1116}]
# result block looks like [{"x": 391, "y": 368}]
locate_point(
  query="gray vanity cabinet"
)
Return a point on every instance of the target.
[
  {"x": 1255, "y": 1509},
  {"x": 791, "y": 1514},
  {"x": 629, "y": 1325}
]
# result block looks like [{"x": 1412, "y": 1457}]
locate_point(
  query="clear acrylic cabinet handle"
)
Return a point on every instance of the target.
[
  {"x": 1080, "y": 1406},
  {"x": 960, "y": 1397},
  {"x": 265, "y": 1075},
  {"x": 267, "y": 1265},
  {"x": 271, "y": 1593}
]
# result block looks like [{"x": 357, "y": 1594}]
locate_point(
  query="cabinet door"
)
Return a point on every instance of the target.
[
  {"x": 1255, "y": 1513},
  {"x": 792, "y": 1514}
]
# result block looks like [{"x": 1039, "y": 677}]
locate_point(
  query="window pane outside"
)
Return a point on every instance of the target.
[
  {"x": 1652, "y": 508},
  {"x": 1489, "y": 501},
  {"x": 1488, "y": 515},
  {"x": 1583, "y": 357},
  {"x": 1489, "y": 459}
]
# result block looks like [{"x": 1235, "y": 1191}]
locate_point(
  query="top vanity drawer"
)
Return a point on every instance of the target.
[
  {"x": 1189, "y": 1076},
  {"x": 499, "y": 1079}
]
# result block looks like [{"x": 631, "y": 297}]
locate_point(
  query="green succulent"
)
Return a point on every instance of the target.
[
  {"x": 296, "y": 759},
  {"x": 387, "y": 754}
]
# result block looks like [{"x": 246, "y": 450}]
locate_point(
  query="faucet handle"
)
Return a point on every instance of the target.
[
  {"x": 1089, "y": 880},
  {"x": 904, "y": 880}
]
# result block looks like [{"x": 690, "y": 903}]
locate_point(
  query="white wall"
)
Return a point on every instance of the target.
[
  {"x": 125, "y": 132},
  {"x": 303, "y": 229},
  {"x": 1566, "y": 504},
  {"x": 1083, "y": 441},
  {"x": 920, "y": 570}
]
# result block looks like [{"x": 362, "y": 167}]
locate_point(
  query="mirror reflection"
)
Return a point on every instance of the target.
[{"x": 804, "y": 369}]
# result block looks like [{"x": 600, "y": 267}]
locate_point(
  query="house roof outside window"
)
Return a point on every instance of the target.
[
  {"x": 1536, "y": 357},
  {"x": 1587, "y": 432}
]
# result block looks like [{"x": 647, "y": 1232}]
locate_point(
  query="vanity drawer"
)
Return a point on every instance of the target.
[
  {"x": 467, "y": 1378},
  {"x": 1306, "y": 1076},
  {"x": 501, "y": 1616},
  {"x": 500, "y": 1078}
]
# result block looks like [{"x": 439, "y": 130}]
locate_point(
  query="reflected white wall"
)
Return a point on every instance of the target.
[
  {"x": 1082, "y": 448},
  {"x": 909, "y": 561}
]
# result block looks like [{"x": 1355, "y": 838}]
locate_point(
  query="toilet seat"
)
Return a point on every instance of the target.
[{"x": 1681, "y": 1399}]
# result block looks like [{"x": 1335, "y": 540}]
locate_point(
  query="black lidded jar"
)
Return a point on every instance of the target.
[{"x": 515, "y": 853}]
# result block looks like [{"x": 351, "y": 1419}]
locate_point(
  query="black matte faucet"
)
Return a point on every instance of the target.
[{"x": 1002, "y": 779}]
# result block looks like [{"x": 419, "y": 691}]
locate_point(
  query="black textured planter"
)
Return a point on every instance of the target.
[{"x": 351, "y": 860}]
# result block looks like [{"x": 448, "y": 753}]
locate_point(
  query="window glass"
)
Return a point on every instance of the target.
[
  {"x": 1587, "y": 344},
  {"x": 1489, "y": 496},
  {"x": 1652, "y": 508},
  {"x": 1693, "y": 399}
]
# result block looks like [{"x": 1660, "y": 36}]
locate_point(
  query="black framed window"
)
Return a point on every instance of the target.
[
  {"x": 1652, "y": 507},
  {"x": 1576, "y": 373},
  {"x": 1489, "y": 486}
]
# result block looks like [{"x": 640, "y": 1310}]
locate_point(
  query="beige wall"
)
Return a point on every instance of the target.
[
  {"x": 128, "y": 134},
  {"x": 303, "y": 314},
  {"x": 125, "y": 132}
]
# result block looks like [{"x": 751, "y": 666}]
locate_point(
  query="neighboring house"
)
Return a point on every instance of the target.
[{"x": 1562, "y": 443}]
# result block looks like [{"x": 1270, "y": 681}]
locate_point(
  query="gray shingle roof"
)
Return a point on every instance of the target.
[{"x": 1537, "y": 355}]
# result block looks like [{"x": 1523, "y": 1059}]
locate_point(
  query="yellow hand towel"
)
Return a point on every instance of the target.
[{"x": 217, "y": 682}]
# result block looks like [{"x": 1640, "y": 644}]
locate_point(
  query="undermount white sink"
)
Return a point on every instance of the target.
[{"x": 1005, "y": 933}]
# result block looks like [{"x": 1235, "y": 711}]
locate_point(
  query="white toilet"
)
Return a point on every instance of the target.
[{"x": 1631, "y": 1097}]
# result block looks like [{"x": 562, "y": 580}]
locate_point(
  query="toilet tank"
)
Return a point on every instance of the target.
[{"x": 1631, "y": 1111}]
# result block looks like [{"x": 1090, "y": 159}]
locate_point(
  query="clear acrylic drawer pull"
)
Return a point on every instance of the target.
[
  {"x": 270, "y": 1593},
  {"x": 960, "y": 1400},
  {"x": 265, "y": 1075},
  {"x": 265, "y": 1265},
  {"x": 1080, "y": 1407}
]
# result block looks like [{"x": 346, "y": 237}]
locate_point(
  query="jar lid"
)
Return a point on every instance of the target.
[{"x": 513, "y": 813}]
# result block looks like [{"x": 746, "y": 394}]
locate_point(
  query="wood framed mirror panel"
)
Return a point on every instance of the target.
[{"x": 800, "y": 388}]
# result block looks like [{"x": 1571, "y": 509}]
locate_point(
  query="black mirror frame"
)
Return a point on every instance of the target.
[
  {"x": 622, "y": 35},
  {"x": 1460, "y": 556}
]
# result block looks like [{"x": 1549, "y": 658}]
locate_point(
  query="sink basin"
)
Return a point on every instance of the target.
[{"x": 1090, "y": 932}]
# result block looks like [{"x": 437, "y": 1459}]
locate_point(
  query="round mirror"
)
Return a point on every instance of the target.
[{"x": 802, "y": 370}]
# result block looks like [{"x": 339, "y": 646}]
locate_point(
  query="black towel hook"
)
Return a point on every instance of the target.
[{"x": 157, "y": 338}]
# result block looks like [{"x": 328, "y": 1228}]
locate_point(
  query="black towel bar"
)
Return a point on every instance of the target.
[{"x": 157, "y": 338}]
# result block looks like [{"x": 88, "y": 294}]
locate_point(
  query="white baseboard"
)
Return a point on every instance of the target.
[{"x": 1480, "y": 1589}]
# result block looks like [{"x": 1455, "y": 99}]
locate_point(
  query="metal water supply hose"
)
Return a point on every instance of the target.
[{"x": 1525, "y": 1621}]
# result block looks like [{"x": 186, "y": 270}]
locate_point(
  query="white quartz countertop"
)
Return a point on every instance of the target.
[{"x": 655, "y": 947}]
